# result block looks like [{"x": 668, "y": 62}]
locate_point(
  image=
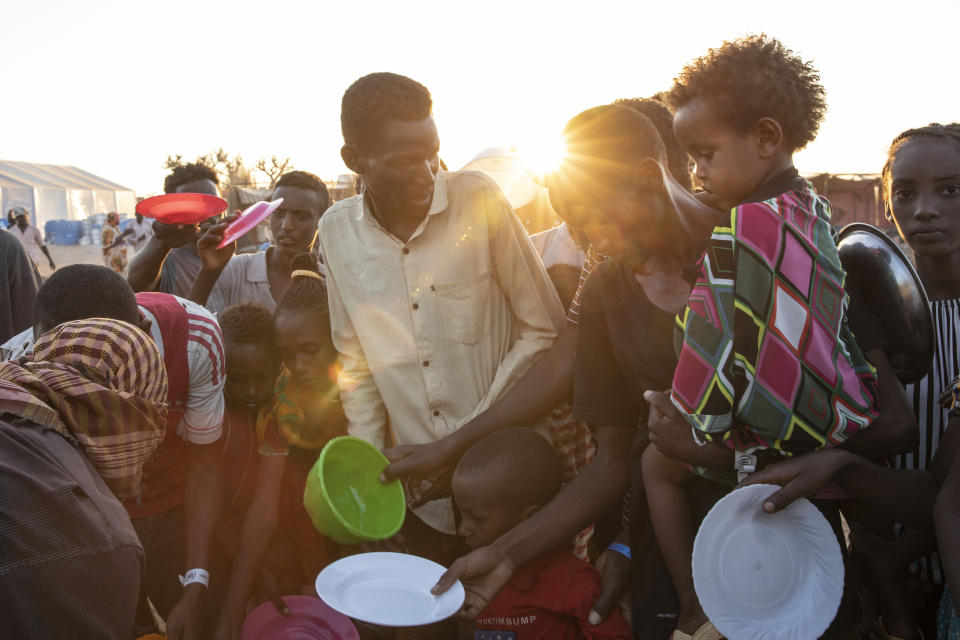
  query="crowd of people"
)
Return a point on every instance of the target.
[{"x": 559, "y": 436}]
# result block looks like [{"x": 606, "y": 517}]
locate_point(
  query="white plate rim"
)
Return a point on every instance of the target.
[
  {"x": 324, "y": 585},
  {"x": 827, "y": 599}
]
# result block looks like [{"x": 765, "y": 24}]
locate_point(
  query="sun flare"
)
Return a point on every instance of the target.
[{"x": 543, "y": 155}]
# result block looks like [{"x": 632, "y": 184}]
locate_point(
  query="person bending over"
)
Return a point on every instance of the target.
[
  {"x": 438, "y": 302},
  {"x": 547, "y": 384},
  {"x": 767, "y": 360},
  {"x": 499, "y": 482},
  {"x": 549, "y": 381},
  {"x": 70, "y": 560},
  {"x": 252, "y": 366},
  {"x": 302, "y": 415},
  {"x": 176, "y": 510}
]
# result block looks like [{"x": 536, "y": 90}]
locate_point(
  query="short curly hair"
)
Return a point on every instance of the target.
[
  {"x": 756, "y": 77},
  {"x": 186, "y": 173},
  {"x": 309, "y": 181},
  {"x": 376, "y": 98},
  {"x": 516, "y": 462},
  {"x": 247, "y": 323},
  {"x": 678, "y": 162}
]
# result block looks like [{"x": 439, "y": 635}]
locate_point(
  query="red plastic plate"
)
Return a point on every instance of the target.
[{"x": 182, "y": 208}]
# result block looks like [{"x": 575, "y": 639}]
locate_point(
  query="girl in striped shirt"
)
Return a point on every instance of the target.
[{"x": 921, "y": 186}]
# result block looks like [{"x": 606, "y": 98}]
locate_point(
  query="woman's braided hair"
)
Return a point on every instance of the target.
[
  {"x": 949, "y": 132},
  {"x": 304, "y": 292}
]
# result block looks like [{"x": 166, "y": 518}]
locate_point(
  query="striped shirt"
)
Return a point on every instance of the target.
[
  {"x": 205, "y": 360},
  {"x": 203, "y": 414},
  {"x": 196, "y": 367},
  {"x": 593, "y": 259},
  {"x": 924, "y": 396}
]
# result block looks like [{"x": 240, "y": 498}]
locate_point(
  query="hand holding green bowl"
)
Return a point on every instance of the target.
[{"x": 345, "y": 498}]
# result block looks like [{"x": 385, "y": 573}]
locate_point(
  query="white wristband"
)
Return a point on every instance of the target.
[
  {"x": 745, "y": 464},
  {"x": 196, "y": 575}
]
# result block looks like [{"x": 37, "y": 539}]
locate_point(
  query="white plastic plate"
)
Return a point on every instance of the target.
[
  {"x": 762, "y": 576},
  {"x": 388, "y": 589}
]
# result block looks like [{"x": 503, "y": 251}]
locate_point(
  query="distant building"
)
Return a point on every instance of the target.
[
  {"x": 853, "y": 197},
  {"x": 345, "y": 186}
]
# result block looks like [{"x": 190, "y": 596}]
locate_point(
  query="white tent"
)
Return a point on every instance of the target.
[{"x": 59, "y": 192}]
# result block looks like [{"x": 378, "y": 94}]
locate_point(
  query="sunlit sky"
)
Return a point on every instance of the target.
[{"x": 114, "y": 87}]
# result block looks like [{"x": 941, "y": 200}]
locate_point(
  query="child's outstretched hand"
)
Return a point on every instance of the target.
[{"x": 483, "y": 573}]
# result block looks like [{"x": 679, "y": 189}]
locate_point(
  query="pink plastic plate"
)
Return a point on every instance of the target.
[
  {"x": 251, "y": 217},
  {"x": 181, "y": 208},
  {"x": 309, "y": 619}
]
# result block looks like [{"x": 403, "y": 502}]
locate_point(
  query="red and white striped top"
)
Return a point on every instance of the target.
[{"x": 203, "y": 415}]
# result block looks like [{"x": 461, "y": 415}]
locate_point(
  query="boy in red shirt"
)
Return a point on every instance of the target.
[{"x": 501, "y": 480}]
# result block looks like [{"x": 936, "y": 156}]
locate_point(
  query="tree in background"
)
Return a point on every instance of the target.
[
  {"x": 233, "y": 171},
  {"x": 276, "y": 169}
]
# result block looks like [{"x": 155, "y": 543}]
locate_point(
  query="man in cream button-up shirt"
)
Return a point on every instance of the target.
[{"x": 438, "y": 301}]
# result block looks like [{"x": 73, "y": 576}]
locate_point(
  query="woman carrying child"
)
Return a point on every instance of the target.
[
  {"x": 767, "y": 359},
  {"x": 617, "y": 168},
  {"x": 636, "y": 195}
]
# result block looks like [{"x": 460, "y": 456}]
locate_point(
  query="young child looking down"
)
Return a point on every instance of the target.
[
  {"x": 302, "y": 415},
  {"x": 766, "y": 359},
  {"x": 501, "y": 480}
]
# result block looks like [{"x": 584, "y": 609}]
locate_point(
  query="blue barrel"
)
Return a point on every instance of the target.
[
  {"x": 72, "y": 231},
  {"x": 50, "y": 231},
  {"x": 62, "y": 232}
]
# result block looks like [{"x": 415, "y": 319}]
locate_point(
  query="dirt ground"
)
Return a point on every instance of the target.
[{"x": 73, "y": 254}]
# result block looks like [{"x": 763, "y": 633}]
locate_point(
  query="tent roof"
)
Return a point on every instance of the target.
[
  {"x": 7, "y": 181},
  {"x": 55, "y": 176}
]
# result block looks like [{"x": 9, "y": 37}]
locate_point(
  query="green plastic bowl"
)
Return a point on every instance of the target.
[{"x": 344, "y": 497}]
